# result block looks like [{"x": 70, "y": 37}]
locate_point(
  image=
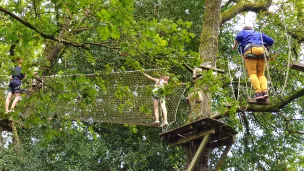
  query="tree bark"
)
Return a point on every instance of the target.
[
  {"x": 208, "y": 49},
  {"x": 209, "y": 44},
  {"x": 1, "y": 140},
  {"x": 16, "y": 140}
]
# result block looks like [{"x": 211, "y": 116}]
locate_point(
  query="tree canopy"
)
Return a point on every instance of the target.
[{"x": 71, "y": 39}]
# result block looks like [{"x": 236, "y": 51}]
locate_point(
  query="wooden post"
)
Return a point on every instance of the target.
[
  {"x": 223, "y": 157},
  {"x": 199, "y": 152},
  {"x": 200, "y": 137}
]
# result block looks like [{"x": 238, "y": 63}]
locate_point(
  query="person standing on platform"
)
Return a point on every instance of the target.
[
  {"x": 14, "y": 86},
  {"x": 253, "y": 46},
  {"x": 159, "y": 97}
]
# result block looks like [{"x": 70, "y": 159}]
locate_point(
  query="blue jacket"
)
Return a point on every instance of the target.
[{"x": 251, "y": 36}]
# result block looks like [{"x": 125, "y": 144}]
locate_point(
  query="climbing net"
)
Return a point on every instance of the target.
[{"x": 126, "y": 99}]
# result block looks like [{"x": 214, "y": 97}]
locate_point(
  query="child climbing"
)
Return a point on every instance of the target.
[
  {"x": 253, "y": 45},
  {"x": 158, "y": 96},
  {"x": 14, "y": 86}
]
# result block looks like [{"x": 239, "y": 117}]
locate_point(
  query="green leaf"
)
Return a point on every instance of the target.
[
  {"x": 104, "y": 32},
  {"x": 115, "y": 32}
]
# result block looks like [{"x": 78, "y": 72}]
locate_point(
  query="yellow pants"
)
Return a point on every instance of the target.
[{"x": 256, "y": 69}]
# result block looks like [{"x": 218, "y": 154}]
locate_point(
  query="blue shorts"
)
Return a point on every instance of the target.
[{"x": 14, "y": 86}]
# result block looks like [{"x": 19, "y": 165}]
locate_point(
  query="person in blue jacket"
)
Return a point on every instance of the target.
[
  {"x": 253, "y": 46},
  {"x": 14, "y": 86}
]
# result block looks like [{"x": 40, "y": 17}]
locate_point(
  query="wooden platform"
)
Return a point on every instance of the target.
[
  {"x": 297, "y": 66},
  {"x": 220, "y": 133},
  {"x": 253, "y": 101}
]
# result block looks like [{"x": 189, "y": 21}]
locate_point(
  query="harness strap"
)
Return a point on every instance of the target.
[
  {"x": 251, "y": 55},
  {"x": 16, "y": 78}
]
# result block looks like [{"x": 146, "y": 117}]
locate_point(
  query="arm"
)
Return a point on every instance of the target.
[
  {"x": 150, "y": 78},
  {"x": 238, "y": 38},
  {"x": 234, "y": 45}
]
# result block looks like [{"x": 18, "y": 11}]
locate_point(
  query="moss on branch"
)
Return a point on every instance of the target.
[{"x": 242, "y": 7}]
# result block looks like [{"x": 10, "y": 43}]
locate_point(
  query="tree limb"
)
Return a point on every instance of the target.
[
  {"x": 46, "y": 36},
  {"x": 27, "y": 24},
  {"x": 289, "y": 99},
  {"x": 242, "y": 7},
  {"x": 270, "y": 108}
]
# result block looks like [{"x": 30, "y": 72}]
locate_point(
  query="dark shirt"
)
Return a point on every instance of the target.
[
  {"x": 250, "y": 36},
  {"x": 16, "y": 73}
]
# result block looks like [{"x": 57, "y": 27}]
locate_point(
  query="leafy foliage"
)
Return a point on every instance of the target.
[{"x": 67, "y": 37}]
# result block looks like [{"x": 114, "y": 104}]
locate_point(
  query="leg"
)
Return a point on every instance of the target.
[
  {"x": 17, "y": 98},
  {"x": 164, "y": 109},
  {"x": 8, "y": 100},
  {"x": 156, "y": 114},
  {"x": 251, "y": 66},
  {"x": 261, "y": 75},
  {"x": 262, "y": 78}
]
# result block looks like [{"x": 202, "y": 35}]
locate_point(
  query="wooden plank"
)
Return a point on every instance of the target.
[
  {"x": 220, "y": 143},
  {"x": 198, "y": 126},
  {"x": 181, "y": 128},
  {"x": 222, "y": 158},
  {"x": 211, "y": 68},
  {"x": 198, "y": 153},
  {"x": 253, "y": 101},
  {"x": 297, "y": 66},
  {"x": 191, "y": 137},
  {"x": 181, "y": 131}
]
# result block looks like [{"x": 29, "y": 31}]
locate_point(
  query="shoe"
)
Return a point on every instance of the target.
[
  {"x": 259, "y": 96},
  {"x": 265, "y": 95},
  {"x": 156, "y": 123},
  {"x": 164, "y": 124}
]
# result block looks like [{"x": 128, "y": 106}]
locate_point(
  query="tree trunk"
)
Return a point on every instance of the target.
[
  {"x": 16, "y": 140},
  {"x": 1, "y": 140},
  {"x": 207, "y": 50}
]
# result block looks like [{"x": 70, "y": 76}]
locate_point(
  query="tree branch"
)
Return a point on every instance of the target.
[
  {"x": 270, "y": 108},
  {"x": 242, "y": 7},
  {"x": 46, "y": 36},
  {"x": 289, "y": 99},
  {"x": 27, "y": 24}
]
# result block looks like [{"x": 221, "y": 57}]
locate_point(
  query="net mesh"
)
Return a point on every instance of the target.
[{"x": 125, "y": 99}]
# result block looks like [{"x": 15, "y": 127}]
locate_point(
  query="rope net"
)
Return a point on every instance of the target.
[{"x": 126, "y": 98}]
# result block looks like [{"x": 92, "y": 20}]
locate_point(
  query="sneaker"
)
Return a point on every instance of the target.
[
  {"x": 265, "y": 95},
  {"x": 259, "y": 96}
]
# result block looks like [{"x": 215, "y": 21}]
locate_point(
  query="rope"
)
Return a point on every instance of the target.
[
  {"x": 289, "y": 55},
  {"x": 267, "y": 64},
  {"x": 246, "y": 83},
  {"x": 127, "y": 99},
  {"x": 231, "y": 84}
]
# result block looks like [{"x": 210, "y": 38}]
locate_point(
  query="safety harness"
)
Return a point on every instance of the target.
[{"x": 254, "y": 56}]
